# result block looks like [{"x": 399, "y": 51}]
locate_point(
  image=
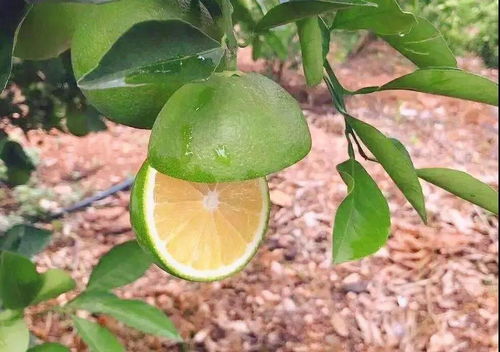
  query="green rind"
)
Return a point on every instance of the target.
[
  {"x": 138, "y": 219},
  {"x": 231, "y": 127},
  {"x": 98, "y": 30},
  {"x": 48, "y": 30}
]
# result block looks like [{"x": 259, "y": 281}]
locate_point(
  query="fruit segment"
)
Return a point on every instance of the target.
[{"x": 208, "y": 226}]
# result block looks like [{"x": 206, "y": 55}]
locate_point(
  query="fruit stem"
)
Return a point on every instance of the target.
[
  {"x": 337, "y": 92},
  {"x": 350, "y": 148},
  {"x": 336, "y": 89},
  {"x": 229, "y": 38}
]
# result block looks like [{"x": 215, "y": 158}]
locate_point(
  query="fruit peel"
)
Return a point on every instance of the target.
[{"x": 231, "y": 127}]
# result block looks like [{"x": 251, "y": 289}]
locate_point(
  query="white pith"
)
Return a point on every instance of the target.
[
  {"x": 211, "y": 201},
  {"x": 187, "y": 271}
]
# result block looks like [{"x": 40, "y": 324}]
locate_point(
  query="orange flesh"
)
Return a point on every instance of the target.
[{"x": 207, "y": 226}]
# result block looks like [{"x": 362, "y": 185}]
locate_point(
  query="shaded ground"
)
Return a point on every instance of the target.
[{"x": 433, "y": 288}]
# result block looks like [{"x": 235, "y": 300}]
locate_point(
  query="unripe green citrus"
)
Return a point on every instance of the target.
[
  {"x": 97, "y": 32},
  {"x": 47, "y": 30},
  {"x": 232, "y": 127}
]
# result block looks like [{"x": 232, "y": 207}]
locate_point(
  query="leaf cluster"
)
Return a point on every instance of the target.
[
  {"x": 22, "y": 286},
  {"x": 362, "y": 221}
]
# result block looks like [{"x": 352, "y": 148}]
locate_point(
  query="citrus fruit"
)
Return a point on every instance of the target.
[
  {"x": 98, "y": 30},
  {"x": 231, "y": 127},
  {"x": 197, "y": 231},
  {"x": 47, "y": 30}
]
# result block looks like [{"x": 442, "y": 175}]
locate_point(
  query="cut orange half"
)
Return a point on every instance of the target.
[{"x": 199, "y": 231}]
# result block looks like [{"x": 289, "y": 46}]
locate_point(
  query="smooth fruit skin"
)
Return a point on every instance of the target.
[
  {"x": 232, "y": 127},
  {"x": 138, "y": 211},
  {"x": 47, "y": 30},
  {"x": 97, "y": 31}
]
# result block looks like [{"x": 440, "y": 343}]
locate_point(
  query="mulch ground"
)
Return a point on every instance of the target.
[{"x": 432, "y": 288}]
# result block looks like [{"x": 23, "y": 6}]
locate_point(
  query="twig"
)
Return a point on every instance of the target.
[{"x": 360, "y": 149}]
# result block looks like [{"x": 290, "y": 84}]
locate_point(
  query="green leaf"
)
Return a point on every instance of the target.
[
  {"x": 424, "y": 45},
  {"x": 273, "y": 44},
  {"x": 14, "y": 335},
  {"x": 12, "y": 13},
  {"x": 18, "y": 176},
  {"x": 49, "y": 347},
  {"x": 296, "y": 10},
  {"x": 278, "y": 42},
  {"x": 26, "y": 240},
  {"x": 311, "y": 43},
  {"x": 362, "y": 221},
  {"x": 4, "y": 137},
  {"x": 122, "y": 265},
  {"x": 326, "y": 36},
  {"x": 10, "y": 315},
  {"x": 385, "y": 19},
  {"x": 462, "y": 185},
  {"x": 156, "y": 52},
  {"x": 444, "y": 81},
  {"x": 12, "y": 154},
  {"x": 55, "y": 283},
  {"x": 213, "y": 7},
  {"x": 134, "y": 313},
  {"x": 81, "y": 123},
  {"x": 402, "y": 149},
  {"x": 19, "y": 165},
  {"x": 98, "y": 338},
  {"x": 246, "y": 14},
  {"x": 19, "y": 281},
  {"x": 268, "y": 44},
  {"x": 395, "y": 162},
  {"x": 243, "y": 15}
]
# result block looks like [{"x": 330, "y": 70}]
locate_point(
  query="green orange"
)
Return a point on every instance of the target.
[
  {"x": 47, "y": 30},
  {"x": 232, "y": 127},
  {"x": 99, "y": 29}
]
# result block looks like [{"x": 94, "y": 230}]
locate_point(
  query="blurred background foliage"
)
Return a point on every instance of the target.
[
  {"x": 469, "y": 26},
  {"x": 44, "y": 95}
]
